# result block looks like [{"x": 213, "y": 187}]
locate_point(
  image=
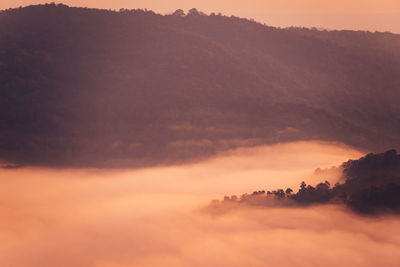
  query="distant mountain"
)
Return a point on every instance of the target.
[{"x": 86, "y": 87}]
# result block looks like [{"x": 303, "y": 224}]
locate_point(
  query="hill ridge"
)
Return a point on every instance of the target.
[{"x": 90, "y": 87}]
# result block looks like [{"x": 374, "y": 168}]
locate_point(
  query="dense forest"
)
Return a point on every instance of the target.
[
  {"x": 87, "y": 87},
  {"x": 371, "y": 186}
]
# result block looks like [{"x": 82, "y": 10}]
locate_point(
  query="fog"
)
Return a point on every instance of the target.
[{"x": 158, "y": 216}]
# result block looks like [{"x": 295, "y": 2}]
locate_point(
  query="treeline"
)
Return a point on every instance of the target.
[{"x": 372, "y": 186}]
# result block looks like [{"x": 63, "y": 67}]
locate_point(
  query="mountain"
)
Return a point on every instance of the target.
[{"x": 97, "y": 88}]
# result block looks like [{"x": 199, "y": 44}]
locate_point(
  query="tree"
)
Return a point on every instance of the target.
[
  {"x": 303, "y": 185},
  {"x": 179, "y": 13},
  {"x": 193, "y": 11},
  {"x": 288, "y": 191},
  {"x": 328, "y": 183},
  {"x": 280, "y": 193}
]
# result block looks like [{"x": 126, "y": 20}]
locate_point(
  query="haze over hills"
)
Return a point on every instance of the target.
[{"x": 97, "y": 88}]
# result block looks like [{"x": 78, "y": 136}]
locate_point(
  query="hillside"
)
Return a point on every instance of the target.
[{"x": 85, "y": 87}]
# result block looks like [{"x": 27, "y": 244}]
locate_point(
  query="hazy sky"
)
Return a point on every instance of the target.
[{"x": 381, "y": 15}]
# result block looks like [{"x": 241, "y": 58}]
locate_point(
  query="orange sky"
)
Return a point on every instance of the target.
[{"x": 381, "y": 15}]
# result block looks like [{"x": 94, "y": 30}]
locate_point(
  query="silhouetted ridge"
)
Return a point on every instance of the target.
[
  {"x": 372, "y": 186},
  {"x": 87, "y": 87}
]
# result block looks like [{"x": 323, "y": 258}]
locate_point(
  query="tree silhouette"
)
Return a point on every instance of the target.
[
  {"x": 288, "y": 191},
  {"x": 179, "y": 13}
]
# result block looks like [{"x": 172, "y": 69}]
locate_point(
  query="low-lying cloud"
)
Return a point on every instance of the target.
[{"x": 154, "y": 217}]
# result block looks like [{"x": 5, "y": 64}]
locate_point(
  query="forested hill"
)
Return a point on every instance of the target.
[
  {"x": 86, "y": 87},
  {"x": 371, "y": 186}
]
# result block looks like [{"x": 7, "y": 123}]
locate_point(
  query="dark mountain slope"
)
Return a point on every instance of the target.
[{"x": 84, "y": 87}]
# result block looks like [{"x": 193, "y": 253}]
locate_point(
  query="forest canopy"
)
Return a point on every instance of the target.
[{"x": 100, "y": 88}]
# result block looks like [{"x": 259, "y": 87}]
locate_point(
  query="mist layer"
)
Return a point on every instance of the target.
[{"x": 156, "y": 216}]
